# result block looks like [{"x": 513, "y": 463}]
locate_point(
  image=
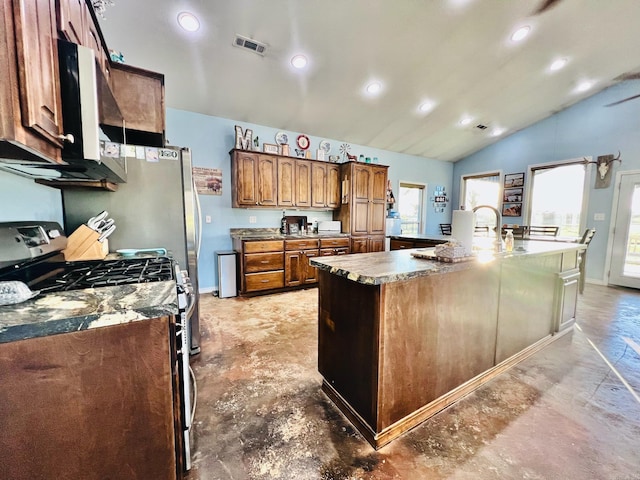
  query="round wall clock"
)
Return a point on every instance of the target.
[{"x": 303, "y": 142}]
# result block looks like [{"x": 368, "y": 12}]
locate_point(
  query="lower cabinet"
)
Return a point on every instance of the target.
[
  {"x": 397, "y": 244},
  {"x": 96, "y": 403},
  {"x": 567, "y": 298},
  {"x": 265, "y": 266},
  {"x": 367, "y": 243}
]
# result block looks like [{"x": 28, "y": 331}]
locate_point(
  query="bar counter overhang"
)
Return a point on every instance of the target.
[{"x": 401, "y": 338}]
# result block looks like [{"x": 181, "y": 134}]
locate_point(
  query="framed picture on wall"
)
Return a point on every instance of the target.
[
  {"x": 512, "y": 195},
  {"x": 511, "y": 209},
  {"x": 514, "y": 180}
]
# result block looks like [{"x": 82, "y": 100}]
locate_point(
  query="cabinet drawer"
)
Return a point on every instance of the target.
[
  {"x": 300, "y": 244},
  {"x": 264, "y": 281},
  {"x": 401, "y": 244},
  {"x": 334, "y": 242},
  {"x": 263, "y": 262},
  {"x": 263, "y": 246}
]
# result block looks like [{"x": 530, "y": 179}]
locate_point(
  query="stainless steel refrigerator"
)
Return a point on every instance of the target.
[{"x": 157, "y": 207}]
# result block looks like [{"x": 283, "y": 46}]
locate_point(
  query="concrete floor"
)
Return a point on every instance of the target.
[{"x": 563, "y": 413}]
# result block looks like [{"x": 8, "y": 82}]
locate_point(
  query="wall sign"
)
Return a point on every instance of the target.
[{"x": 208, "y": 180}]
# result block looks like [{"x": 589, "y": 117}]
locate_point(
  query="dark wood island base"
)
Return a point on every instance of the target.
[{"x": 402, "y": 338}]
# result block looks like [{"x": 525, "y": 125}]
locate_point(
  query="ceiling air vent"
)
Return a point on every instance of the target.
[
  {"x": 481, "y": 126},
  {"x": 247, "y": 43}
]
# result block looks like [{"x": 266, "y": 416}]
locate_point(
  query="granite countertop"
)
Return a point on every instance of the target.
[
  {"x": 63, "y": 312},
  {"x": 274, "y": 234},
  {"x": 398, "y": 265}
]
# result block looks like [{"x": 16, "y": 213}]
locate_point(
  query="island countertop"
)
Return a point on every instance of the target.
[
  {"x": 63, "y": 312},
  {"x": 398, "y": 265}
]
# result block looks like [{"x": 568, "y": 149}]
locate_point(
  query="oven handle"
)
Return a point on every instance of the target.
[{"x": 192, "y": 303}]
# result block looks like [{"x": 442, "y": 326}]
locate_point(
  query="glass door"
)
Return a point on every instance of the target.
[{"x": 625, "y": 257}]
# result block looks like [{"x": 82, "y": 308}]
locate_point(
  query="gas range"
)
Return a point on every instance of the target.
[{"x": 33, "y": 255}]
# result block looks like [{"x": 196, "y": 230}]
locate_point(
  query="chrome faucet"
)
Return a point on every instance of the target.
[{"x": 498, "y": 229}]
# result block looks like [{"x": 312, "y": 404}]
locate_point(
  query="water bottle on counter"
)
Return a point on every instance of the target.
[{"x": 508, "y": 240}]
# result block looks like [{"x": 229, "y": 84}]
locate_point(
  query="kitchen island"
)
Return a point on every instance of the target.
[{"x": 401, "y": 338}]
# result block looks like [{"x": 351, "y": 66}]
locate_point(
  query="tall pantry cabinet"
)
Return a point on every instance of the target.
[{"x": 362, "y": 212}]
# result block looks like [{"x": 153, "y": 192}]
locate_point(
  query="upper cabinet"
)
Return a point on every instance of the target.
[
  {"x": 266, "y": 180},
  {"x": 31, "y": 123},
  {"x": 30, "y": 108}
]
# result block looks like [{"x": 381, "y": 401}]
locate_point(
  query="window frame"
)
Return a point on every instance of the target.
[
  {"x": 423, "y": 204},
  {"x": 584, "y": 208},
  {"x": 487, "y": 173}
]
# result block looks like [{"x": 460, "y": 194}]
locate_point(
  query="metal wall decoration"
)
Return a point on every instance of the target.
[{"x": 243, "y": 141}]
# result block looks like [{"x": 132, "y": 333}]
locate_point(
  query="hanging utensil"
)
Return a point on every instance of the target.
[{"x": 106, "y": 233}]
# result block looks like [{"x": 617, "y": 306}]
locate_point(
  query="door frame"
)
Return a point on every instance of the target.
[{"x": 613, "y": 220}]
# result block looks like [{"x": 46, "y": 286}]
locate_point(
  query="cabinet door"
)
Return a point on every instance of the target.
[
  {"x": 293, "y": 268},
  {"x": 71, "y": 19},
  {"x": 377, "y": 222},
  {"x": 286, "y": 182},
  {"x": 37, "y": 51},
  {"x": 333, "y": 186},
  {"x": 379, "y": 184},
  {"x": 303, "y": 183},
  {"x": 376, "y": 244},
  {"x": 361, "y": 183},
  {"x": 360, "y": 217},
  {"x": 245, "y": 166},
  {"x": 359, "y": 244},
  {"x": 310, "y": 272},
  {"x": 318, "y": 185},
  {"x": 567, "y": 299},
  {"x": 267, "y": 181}
]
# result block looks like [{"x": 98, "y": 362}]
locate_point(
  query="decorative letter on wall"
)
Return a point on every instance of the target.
[{"x": 243, "y": 142}]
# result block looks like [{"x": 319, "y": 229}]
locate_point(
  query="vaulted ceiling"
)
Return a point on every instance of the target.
[{"x": 456, "y": 54}]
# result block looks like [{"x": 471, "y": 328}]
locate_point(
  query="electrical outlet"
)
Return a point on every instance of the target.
[
  {"x": 207, "y": 219},
  {"x": 598, "y": 217},
  {"x": 252, "y": 219}
]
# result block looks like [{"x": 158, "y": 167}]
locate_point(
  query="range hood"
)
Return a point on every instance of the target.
[{"x": 85, "y": 95}]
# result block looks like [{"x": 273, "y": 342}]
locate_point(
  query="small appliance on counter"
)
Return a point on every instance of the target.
[{"x": 295, "y": 224}]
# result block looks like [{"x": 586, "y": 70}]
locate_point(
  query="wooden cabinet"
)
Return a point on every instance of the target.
[
  {"x": 401, "y": 244},
  {"x": 325, "y": 185},
  {"x": 297, "y": 269},
  {"x": 97, "y": 403},
  {"x": 268, "y": 266},
  {"x": 260, "y": 265},
  {"x": 267, "y": 180},
  {"x": 72, "y": 19},
  {"x": 363, "y": 211},
  {"x": 30, "y": 107},
  {"x": 254, "y": 180},
  {"x": 334, "y": 246}
]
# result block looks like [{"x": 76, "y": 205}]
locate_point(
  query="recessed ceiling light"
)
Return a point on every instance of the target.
[
  {"x": 496, "y": 132},
  {"x": 558, "y": 64},
  {"x": 299, "y": 61},
  {"x": 426, "y": 106},
  {"x": 188, "y": 21},
  {"x": 584, "y": 86},
  {"x": 465, "y": 121},
  {"x": 521, "y": 33},
  {"x": 374, "y": 88}
]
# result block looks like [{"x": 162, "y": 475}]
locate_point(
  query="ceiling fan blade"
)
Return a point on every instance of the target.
[
  {"x": 623, "y": 100},
  {"x": 545, "y": 5}
]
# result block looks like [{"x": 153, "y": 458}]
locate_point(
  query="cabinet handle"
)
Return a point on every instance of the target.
[
  {"x": 264, "y": 261},
  {"x": 264, "y": 281}
]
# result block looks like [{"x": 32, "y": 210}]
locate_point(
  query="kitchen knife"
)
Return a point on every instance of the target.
[
  {"x": 104, "y": 225},
  {"x": 106, "y": 233},
  {"x": 94, "y": 221}
]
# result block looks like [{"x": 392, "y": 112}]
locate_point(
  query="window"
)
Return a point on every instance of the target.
[
  {"x": 557, "y": 193},
  {"x": 482, "y": 189},
  {"x": 410, "y": 206}
]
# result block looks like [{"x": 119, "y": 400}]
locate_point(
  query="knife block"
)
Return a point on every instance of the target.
[{"x": 83, "y": 244}]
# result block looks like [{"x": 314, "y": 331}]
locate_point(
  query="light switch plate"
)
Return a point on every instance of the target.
[{"x": 598, "y": 217}]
